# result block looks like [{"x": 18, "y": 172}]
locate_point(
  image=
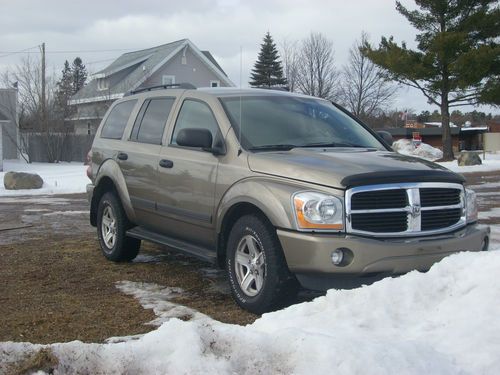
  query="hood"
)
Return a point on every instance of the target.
[{"x": 348, "y": 167}]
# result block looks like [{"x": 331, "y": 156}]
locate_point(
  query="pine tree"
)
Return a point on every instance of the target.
[
  {"x": 456, "y": 61},
  {"x": 64, "y": 91},
  {"x": 267, "y": 71},
  {"x": 79, "y": 73}
]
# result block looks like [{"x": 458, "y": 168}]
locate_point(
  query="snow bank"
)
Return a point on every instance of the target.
[
  {"x": 490, "y": 163},
  {"x": 60, "y": 178},
  {"x": 444, "y": 321},
  {"x": 424, "y": 151}
]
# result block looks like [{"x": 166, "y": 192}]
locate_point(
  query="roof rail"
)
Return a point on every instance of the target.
[
  {"x": 187, "y": 86},
  {"x": 275, "y": 88}
]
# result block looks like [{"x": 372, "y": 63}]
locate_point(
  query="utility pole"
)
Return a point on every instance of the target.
[{"x": 43, "y": 99}]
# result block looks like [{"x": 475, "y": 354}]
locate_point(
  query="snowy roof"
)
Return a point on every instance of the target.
[
  {"x": 135, "y": 67},
  {"x": 477, "y": 128},
  {"x": 438, "y": 124}
]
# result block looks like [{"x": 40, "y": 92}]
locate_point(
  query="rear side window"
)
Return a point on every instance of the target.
[
  {"x": 117, "y": 120},
  {"x": 195, "y": 114},
  {"x": 151, "y": 120}
]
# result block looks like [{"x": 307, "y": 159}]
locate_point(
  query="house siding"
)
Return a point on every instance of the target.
[
  {"x": 89, "y": 115},
  {"x": 195, "y": 72},
  {"x": 8, "y": 105},
  {"x": 1, "y": 153}
]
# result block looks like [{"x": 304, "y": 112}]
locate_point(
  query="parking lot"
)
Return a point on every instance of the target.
[{"x": 56, "y": 286}]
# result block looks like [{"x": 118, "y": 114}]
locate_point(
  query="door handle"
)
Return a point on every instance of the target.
[
  {"x": 164, "y": 163},
  {"x": 122, "y": 156}
]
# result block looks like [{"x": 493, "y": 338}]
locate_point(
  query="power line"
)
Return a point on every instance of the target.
[{"x": 9, "y": 53}]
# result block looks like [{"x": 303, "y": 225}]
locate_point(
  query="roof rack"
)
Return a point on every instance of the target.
[
  {"x": 276, "y": 88},
  {"x": 187, "y": 86}
]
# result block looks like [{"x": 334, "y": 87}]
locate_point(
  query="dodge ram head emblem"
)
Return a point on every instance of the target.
[{"x": 415, "y": 210}]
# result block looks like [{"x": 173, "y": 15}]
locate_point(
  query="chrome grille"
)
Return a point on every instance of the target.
[
  {"x": 394, "y": 198},
  {"x": 407, "y": 209},
  {"x": 439, "y": 197}
]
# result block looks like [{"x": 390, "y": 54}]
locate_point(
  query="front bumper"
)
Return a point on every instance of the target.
[
  {"x": 309, "y": 254},
  {"x": 90, "y": 192}
]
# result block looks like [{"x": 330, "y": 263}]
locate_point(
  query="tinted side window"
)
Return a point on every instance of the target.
[
  {"x": 151, "y": 120},
  {"x": 117, "y": 120},
  {"x": 195, "y": 114}
]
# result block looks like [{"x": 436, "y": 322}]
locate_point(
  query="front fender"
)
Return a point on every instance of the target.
[
  {"x": 272, "y": 197},
  {"x": 110, "y": 169}
]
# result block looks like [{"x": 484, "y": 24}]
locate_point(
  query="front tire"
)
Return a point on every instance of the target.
[
  {"x": 259, "y": 277},
  {"x": 112, "y": 225}
]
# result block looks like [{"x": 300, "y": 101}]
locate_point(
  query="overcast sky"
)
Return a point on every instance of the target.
[{"x": 99, "y": 31}]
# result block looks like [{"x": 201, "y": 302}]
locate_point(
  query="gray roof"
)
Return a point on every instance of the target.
[
  {"x": 149, "y": 57},
  {"x": 134, "y": 62},
  {"x": 213, "y": 61}
]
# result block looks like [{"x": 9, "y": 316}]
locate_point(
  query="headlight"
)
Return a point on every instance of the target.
[
  {"x": 318, "y": 211},
  {"x": 471, "y": 205}
]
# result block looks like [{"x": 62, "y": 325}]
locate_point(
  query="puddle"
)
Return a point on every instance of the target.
[{"x": 66, "y": 213}]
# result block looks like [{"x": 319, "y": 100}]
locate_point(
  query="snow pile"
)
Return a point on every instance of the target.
[
  {"x": 490, "y": 163},
  {"x": 444, "y": 321},
  {"x": 60, "y": 178},
  {"x": 424, "y": 151}
]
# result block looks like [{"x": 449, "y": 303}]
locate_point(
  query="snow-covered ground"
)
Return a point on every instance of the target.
[
  {"x": 444, "y": 321},
  {"x": 60, "y": 178},
  {"x": 490, "y": 163}
]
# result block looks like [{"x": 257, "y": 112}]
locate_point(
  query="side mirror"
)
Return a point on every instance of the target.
[
  {"x": 386, "y": 136},
  {"x": 194, "y": 137},
  {"x": 201, "y": 138}
]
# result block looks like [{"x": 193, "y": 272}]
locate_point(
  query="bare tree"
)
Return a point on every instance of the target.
[
  {"x": 289, "y": 53},
  {"x": 49, "y": 127},
  {"x": 317, "y": 75},
  {"x": 364, "y": 89}
]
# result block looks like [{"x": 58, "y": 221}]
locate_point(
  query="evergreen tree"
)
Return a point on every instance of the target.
[
  {"x": 457, "y": 57},
  {"x": 64, "y": 91},
  {"x": 79, "y": 73},
  {"x": 267, "y": 71}
]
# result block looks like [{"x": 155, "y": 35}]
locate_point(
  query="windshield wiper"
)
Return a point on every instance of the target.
[
  {"x": 279, "y": 147},
  {"x": 333, "y": 144}
]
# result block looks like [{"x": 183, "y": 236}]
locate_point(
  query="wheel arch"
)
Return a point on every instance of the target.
[
  {"x": 267, "y": 199},
  {"x": 110, "y": 178}
]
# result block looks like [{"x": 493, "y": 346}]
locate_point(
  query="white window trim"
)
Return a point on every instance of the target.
[
  {"x": 169, "y": 77},
  {"x": 102, "y": 84},
  {"x": 215, "y": 81}
]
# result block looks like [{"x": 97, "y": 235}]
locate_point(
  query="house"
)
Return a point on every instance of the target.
[
  {"x": 176, "y": 62},
  {"x": 9, "y": 136}
]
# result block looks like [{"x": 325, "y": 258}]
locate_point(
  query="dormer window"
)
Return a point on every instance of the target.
[{"x": 102, "y": 84}]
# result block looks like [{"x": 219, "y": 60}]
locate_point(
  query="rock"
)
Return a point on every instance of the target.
[
  {"x": 21, "y": 180},
  {"x": 469, "y": 158}
]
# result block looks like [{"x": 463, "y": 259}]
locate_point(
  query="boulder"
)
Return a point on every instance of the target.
[
  {"x": 21, "y": 180},
  {"x": 469, "y": 158}
]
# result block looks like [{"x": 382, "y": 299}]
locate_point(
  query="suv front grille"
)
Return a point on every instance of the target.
[{"x": 405, "y": 209}]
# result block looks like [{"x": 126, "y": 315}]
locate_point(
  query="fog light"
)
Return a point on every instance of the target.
[{"x": 337, "y": 256}]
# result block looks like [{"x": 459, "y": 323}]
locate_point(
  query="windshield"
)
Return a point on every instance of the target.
[{"x": 284, "y": 122}]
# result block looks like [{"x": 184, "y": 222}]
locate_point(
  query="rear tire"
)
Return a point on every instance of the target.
[
  {"x": 258, "y": 274},
  {"x": 112, "y": 225}
]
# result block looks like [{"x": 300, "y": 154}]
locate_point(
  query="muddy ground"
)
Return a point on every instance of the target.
[{"x": 55, "y": 286}]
